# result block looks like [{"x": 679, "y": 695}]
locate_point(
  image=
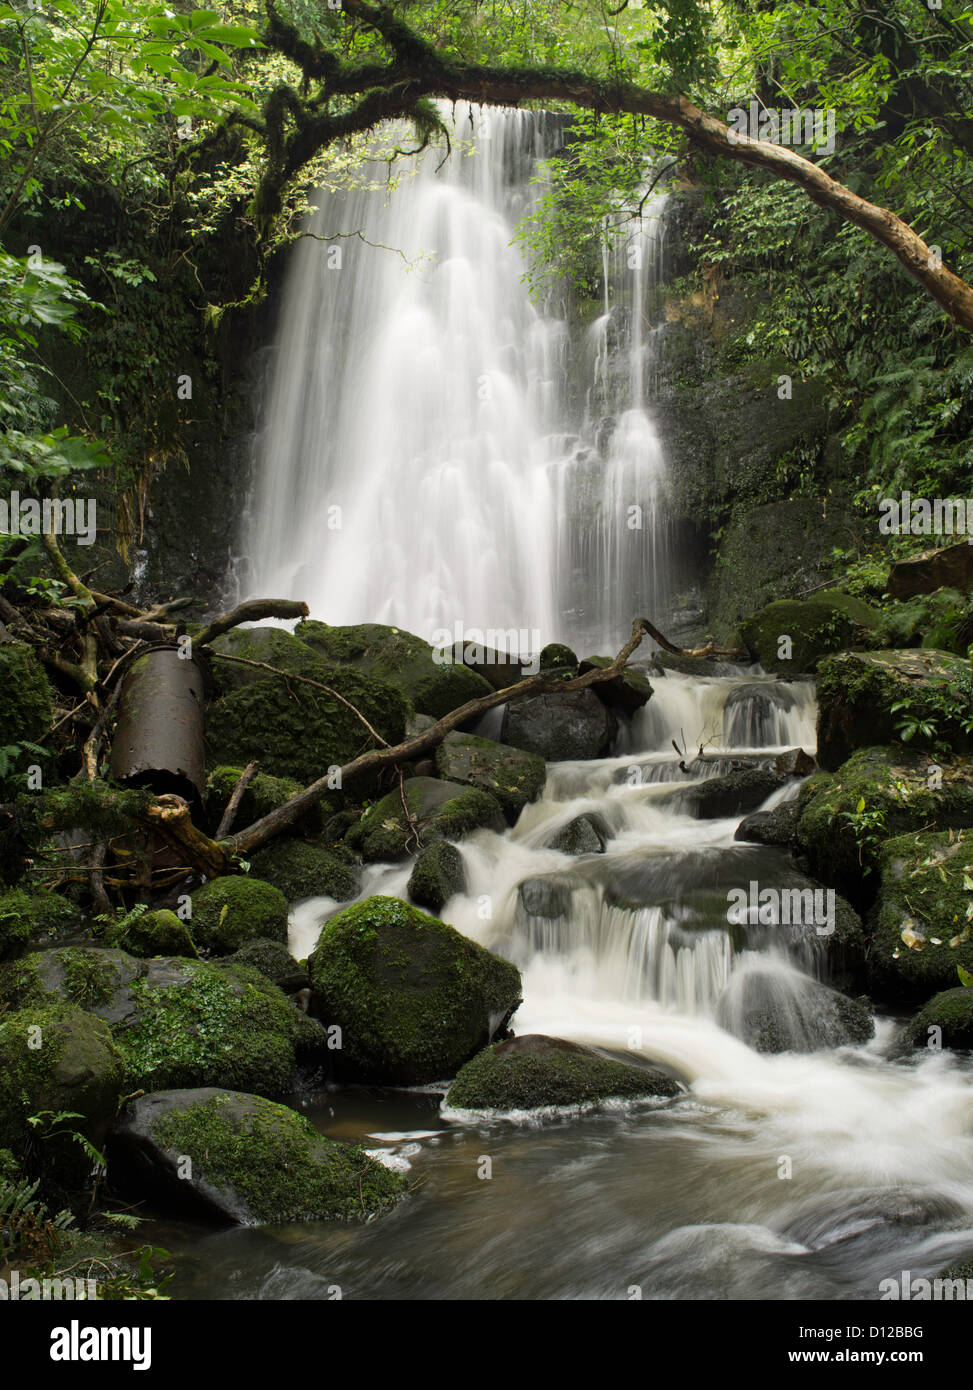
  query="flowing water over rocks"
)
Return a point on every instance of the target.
[{"x": 811, "y": 1172}]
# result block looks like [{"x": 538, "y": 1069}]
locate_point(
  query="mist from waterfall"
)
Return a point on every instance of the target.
[{"x": 421, "y": 461}]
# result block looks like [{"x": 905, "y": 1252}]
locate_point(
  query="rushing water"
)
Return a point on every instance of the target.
[
  {"x": 421, "y": 463},
  {"x": 684, "y": 1200}
]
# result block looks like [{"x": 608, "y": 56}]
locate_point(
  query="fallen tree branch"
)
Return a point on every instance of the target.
[
  {"x": 251, "y": 612},
  {"x": 233, "y": 805}
]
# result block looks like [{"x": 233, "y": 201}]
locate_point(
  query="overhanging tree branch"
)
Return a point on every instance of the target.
[{"x": 418, "y": 70}]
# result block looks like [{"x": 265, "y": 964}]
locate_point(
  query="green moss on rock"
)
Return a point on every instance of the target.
[
  {"x": 35, "y": 917},
  {"x": 531, "y": 1072},
  {"x": 951, "y": 1013},
  {"x": 252, "y": 1161},
  {"x": 413, "y": 997},
  {"x": 262, "y": 795},
  {"x": 303, "y": 870},
  {"x": 894, "y": 784},
  {"x": 922, "y": 925},
  {"x": 437, "y": 876},
  {"x": 55, "y": 1058},
  {"x": 25, "y": 696},
  {"x": 159, "y": 933},
  {"x": 399, "y": 659},
  {"x": 437, "y": 810},
  {"x": 513, "y": 776},
  {"x": 856, "y": 692},
  {"x": 230, "y": 911},
  {"x": 176, "y": 1022},
  {"x": 826, "y": 623},
  {"x": 296, "y": 730}
]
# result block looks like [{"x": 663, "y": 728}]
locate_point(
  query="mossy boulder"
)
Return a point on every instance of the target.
[
  {"x": 897, "y": 792},
  {"x": 414, "y": 998},
  {"x": 251, "y": 1161},
  {"x": 625, "y": 694},
  {"x": 228, "y": 912},
  {"x": 262, "y": 795},
  {"x": 557, "y": 657},
  {"x": 300, "y": 869},
  {"x": 294, "y": 731},
  {"x": 827, "y": 623},
  {"x": 922, "y": 922},
  {"x": 951, "y": 1013},
  {"x": 856, "y": 692},
  {"x": 534, "y": 1071},
  {"x": 561, "y": 727},
  {"x": 512, "y": 775},
  {"x": 160, "y": 933},
  {"x": 436, "y": 811},
  {"x": 56, "y": 1058},
  {"x": 274, "y": 962},
  {"x": 438, "y": 875},
  {"x": 176, "y": 1022},
  {"x": 399, "y": 659},
  {"x": 38, "y": 918},
  {"x": 25, "y": 696}
]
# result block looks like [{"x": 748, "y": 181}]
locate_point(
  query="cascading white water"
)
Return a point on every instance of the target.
[{"x": 420, "y": 462}]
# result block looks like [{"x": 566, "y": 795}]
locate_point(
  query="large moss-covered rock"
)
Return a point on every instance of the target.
[
  {"x": 251, "y": 1161},
  {"x": 534, "y": 1071},
  {"x": 399, "y": 659},
  {"x": 827, "y": 623},
  {"x": 856, "y": 692},
  {"x": 176, "y": 1022},
  {"x": 436, "y": 811},
  {"x": 25, "y": 696},
  {"x": 568, "y": 725},
  {"x": 230, "y": 911},
  {"x": 159, "y": 933},
  {"x": 295, "y": 730},
  {"x": 922, "y": 922},
  {"x": 55, "y": 1058},
  {"x": 300, "y": 869},
  {"x": 896, "y": 792},
  {"x": 437, "y": 876},
  {"x": 414, "y": 998},
  {"x": 947, "y": 1021},
  {"x": 39, "y": 917},
  {"x": 512, "y": 775}
]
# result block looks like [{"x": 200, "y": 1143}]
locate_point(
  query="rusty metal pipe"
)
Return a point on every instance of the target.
[{"x": 158, "y": 739}]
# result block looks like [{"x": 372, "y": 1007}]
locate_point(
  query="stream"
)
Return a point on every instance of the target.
[{"x": 811, "y": 1174}]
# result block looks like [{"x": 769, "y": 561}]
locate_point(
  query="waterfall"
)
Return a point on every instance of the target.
[{"x": 420, "y": 460}]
